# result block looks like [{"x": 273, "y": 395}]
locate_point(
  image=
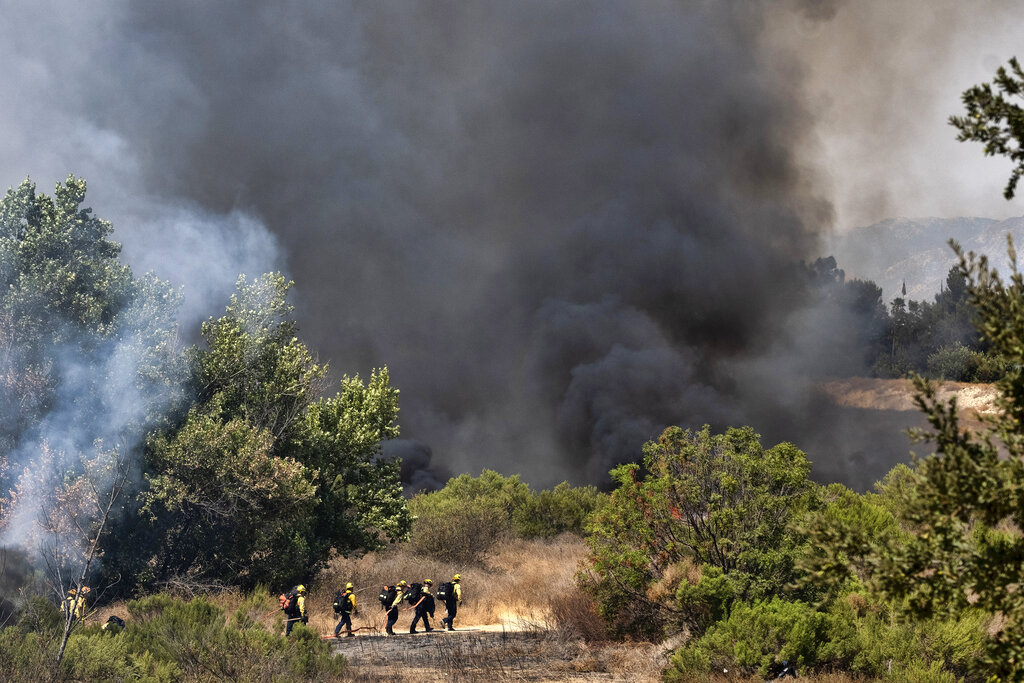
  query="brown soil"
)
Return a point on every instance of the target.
[{"x": 973, "y": 400}]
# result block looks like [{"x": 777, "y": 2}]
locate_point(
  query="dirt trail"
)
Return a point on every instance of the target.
[{"x": 489, "y": 652}]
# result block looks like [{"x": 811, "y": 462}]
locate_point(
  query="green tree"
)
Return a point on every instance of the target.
[
  {"x": 265, "y": 478},
  {"x": 995, "y": 120},
  {"x": 88, "y": 363},
  {"x": 965, "y": 505},
  {"x": 703, "y": 506}
]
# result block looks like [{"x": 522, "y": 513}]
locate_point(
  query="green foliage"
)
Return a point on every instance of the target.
[
  {"x": 719, "y": 501},
  {"x": 225, "y": 498},
  {"x": 454, "y": 530},
  {"x": 167, "y": 639},
  {"x": 551, "y": 512},
  {"x": 995, "y": 121},
  {"x": 956, "y": 362},
  {"x": 844, "y": 533},
  {"x": 937, "y": 338},
  {"x": 959, "y": 363},
  {"x": 359, "y": 503},
  {"x": 66, "y": 301},
  {"x": 470, "y": 514},
  {"x": 870, "y": 642},
  {"x": 264, "y": 479},
  {"x": 966, "y": 508}
]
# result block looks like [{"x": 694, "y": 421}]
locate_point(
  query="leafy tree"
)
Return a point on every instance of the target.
[
  {"x": 706, "y": 504},
  {"x": 88, "y": 362},
  {"x": 265, "y": 478},
  {"x": 68, "y": 305},
  {"x": 994, "y": 120},
  {"x": 967, "y": 506}
]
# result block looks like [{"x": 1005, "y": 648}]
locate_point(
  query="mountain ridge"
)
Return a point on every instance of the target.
[{"x": 916, "y": 251}]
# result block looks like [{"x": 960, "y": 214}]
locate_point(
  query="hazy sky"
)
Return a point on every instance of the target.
[{"x": 562, "y": 225}]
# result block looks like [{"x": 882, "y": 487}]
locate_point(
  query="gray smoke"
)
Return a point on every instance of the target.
[{"x": 561, "y": 225}]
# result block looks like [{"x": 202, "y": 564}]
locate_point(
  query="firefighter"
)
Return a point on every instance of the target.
[
  {"x": 423, "y": 607},
  {"x": 74, "y": 604},
  {"x": 452, "y": 600},
  {"x": 296, "y": 610},
  {"x": 345, "y": 606},
  {"x": 393, "y": 609}
]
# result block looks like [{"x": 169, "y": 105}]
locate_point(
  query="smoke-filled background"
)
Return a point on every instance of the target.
[{"x": 562, "y": 225}]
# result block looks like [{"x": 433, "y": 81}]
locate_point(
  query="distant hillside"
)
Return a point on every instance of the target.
[{"x": 916, "y": 251}]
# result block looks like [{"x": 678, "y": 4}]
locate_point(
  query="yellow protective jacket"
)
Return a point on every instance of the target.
[
  {"x": 75, "y": 605},
  {"x": 352, "y": 600},
  {"x": 398, "y": 600},
  {"x": 302, "y": 605},
  {"x": 458, "y": 592}
]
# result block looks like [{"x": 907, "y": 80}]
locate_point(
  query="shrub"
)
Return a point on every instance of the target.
[
  {"x": 463, "y": 521},
  {"x": 167, "y": 639},
  {"x": 576, "y": 617},
  {"x": 956, "y": 363},
  {"x": 709, "y": 500},
  {"x": 551, "y": 512},
  {"x": 459, "y": 531},
  {"x": 870, "y": 642}
]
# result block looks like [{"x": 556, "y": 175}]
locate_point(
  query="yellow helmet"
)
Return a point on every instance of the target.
[
  {"x": 402, "y": 582},
  {"x": 72, "y": 591},
  {"x": 457, "y": 577},
  {"x": 427, "y": 581},
  {"x": 85, "y": 589},
  {"x": 300, "y": 589},
  {"x": 349, "y": 585}
]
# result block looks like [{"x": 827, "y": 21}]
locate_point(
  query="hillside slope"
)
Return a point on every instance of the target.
[{"x": 916, "y": 251}]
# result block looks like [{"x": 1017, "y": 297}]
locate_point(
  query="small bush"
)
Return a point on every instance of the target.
[
  {"x": 459, "y": 531},
  {"x": 956, "y": 363},
  {"x": 464, "y": 520},
  {"x": 869, "y": 642},
  {"x": 168, "y": 639},
  {"x": 562, "y": 509},
  {"x": 576, "y": 616}
]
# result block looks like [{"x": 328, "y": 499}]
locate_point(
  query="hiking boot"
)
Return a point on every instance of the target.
[
  {"x": 429, "y": 629},
  {"x": 350, "y": 635}
]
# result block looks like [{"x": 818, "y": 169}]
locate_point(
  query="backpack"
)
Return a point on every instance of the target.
[
  {"x": 387, "y": 596},
  {"x": 290, "y": 602},
  {"x": 339, "y": 602},
  {"x": 446, "y": 592},
  {"x": 115, "y": 622},
  {"x": 412, "y": 596}
]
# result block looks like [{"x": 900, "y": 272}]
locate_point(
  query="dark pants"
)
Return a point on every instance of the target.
[
  {"x": 421, "y": 613},
  {"x": 453, "y": 608},
  {"x": 291, "y": 621},
  {"x": 392, "y": 618},
  {"x": 346, "y": 620}
]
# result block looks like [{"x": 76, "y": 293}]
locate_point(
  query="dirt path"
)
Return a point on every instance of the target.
[{"x": 488, "y": 652}]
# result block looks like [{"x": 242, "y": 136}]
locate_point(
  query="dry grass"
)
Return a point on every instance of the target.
[{"x": 513, "y": 587}]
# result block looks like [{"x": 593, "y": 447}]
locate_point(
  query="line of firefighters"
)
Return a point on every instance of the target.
[{"x": 418, "y": 595}]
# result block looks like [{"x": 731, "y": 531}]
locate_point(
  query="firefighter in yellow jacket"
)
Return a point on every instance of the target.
[
  {"x": 452, "y": 600},
  {"x": 296, "y": 610},
  {"x": 74, "y": 603},
  {"x": 344, "y": 607},
  {"x": 393, "y": 607}
]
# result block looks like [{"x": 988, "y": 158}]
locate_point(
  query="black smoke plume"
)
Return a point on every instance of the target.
[{"x": 562, "y": 225}]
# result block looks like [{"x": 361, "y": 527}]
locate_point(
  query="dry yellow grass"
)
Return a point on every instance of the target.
[{"x": 512, "y": 587}]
